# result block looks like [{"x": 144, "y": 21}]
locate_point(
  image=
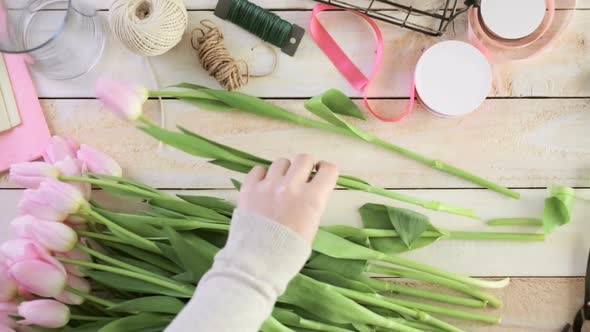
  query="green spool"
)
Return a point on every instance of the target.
[{"x": 262, "y": 23}]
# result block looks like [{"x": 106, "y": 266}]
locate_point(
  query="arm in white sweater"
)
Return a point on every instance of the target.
[{"x": 238, "y": 293}]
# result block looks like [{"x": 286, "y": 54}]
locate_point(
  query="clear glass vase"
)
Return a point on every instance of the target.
[{"x": 64, "y": 38}]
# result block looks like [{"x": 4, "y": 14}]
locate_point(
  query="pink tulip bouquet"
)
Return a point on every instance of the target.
[{"x": 75, "y": 265}]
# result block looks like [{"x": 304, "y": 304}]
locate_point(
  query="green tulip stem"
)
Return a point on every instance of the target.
[
  {"x": 110, "y": 184},
  {"x": 426, "y": 294},
  {"x": 344, "y": 181},
  {"x": 173, "y": 285},
  {"x": 89, "y": 297},
  {"x": 89, "y": 318},
  {"x": 295, "y": 118},
  {"x": 98, "y": 236},
  {"x": 516, "y": 222},
  {"x": 113, "y": 261},
  {"x": 396, "y": 260},
  {"x": 496, "y": 236},
  {"x": 436, "y": 280},
  {"x": 456, "y": 235},
  {"x": 403, "y": 310}
]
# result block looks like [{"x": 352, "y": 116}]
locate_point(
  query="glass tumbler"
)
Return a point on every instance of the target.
[{"x": 64, "y": 38}]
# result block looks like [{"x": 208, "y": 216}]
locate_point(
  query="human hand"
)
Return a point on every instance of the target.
[{"x": 284, "y": 193}]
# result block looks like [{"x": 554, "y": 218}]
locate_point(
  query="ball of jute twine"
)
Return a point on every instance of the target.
[
  {"x": 148, "y": 27},
  {"x": 232, "y": 74}
]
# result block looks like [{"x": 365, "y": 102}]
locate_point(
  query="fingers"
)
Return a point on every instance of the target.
[
  {"x": 300, "y": 169},
  {"x": 278, "y": 169},
  {"x": 326, "y": 177},
  {"x": 255, "y": 175}
]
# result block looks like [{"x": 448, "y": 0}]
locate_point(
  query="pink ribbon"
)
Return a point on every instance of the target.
[{"x": 346, "y": 67}]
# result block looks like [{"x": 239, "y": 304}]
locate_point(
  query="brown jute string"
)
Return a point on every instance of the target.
[{"x": 216, "y": 59}]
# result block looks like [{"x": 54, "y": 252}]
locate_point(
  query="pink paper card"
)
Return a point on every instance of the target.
[{"x": 27, "y": 141}]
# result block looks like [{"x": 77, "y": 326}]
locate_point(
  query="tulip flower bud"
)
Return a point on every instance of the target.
[
  {"x": 8, "y": 309},
  {"x": 59, "y": 148},
  {"x": 31, "y": 174},
  {"x": 53, "y": 235},
  {"x": 74, "y": 167},
  {"x": 26, "y": 262},
  {"x": 44, "y": 313},
  {"x": 80, "y": 284},
  {"x": 8, "y": 286},
  {"x": 76, "y": 254},
  {"x": 54, "y": 200},
  {"x": 38, "y": 277},
  {"x": 98, "y": 162},
  {"x": 125, "y": 100}
]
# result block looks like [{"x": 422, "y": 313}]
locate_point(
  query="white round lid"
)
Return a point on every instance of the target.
[
  {"x": 453, "y": 78},
  {"x": 512, "y": 19}
]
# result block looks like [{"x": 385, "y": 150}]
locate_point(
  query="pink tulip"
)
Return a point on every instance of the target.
[
  {"x": 8, "y": 286},
  {"x": 44, "y": 313},
  {"x": 8, "y": 309},
  {"x": 59, "y": 148},
  {"x": 26, "y": 262},
  {"x": 38, "y": 277},
  {"x": 21, "y": 249},
  {"x": 125, "y": 100},
  {"x": 52, "y": 235},
  {"x": 31, "y": 174},
  {"x": 54, "y": 200},
  {"x": 99, "y": 162},
  {"x": 80, "y": 284},
  {"x": 74, "y": 167},
  {"x": 76, "y": 254}
]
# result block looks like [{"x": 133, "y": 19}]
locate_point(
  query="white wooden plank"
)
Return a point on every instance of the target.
[
  {"x": 307, "y": 4},
  {"x": 564, "y": 253},
  {"x": 520, "y": 143},
  {"x": 558, "y": 72}
]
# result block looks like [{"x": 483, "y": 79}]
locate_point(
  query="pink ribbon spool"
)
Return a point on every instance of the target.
[{"x": 499, "y": 49}]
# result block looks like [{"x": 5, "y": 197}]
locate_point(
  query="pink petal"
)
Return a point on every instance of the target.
[
  {"x": 44, "y": 313},
  {"x": 8, "y": 287},
  {"x": 80, "y": 284},
  {"x": 125, "y": 100},
  {"x": 27, "y": 274},
  {"x": 31, "y": 174},
  {"x": 53, "y": 235},
  {"x": 99, "y": 162},
  {"x": 59, "y": 148}
]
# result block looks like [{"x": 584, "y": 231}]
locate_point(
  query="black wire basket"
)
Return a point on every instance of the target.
[{"x": 432, "y": 20}]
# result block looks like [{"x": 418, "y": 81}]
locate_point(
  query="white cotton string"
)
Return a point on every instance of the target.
[{"x": 148, "y": 27}]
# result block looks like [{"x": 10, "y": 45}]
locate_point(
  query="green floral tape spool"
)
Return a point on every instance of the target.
[{"x": 261, "y": 22}]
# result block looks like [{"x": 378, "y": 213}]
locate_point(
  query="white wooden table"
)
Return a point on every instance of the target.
[{"x": 530, "y": 133}]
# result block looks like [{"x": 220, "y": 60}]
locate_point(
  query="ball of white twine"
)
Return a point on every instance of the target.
[{"x": 148, "y": 27}]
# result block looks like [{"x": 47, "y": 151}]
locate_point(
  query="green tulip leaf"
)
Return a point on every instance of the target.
[
  {"x": 348, "y": 268},
  {"x": 558, "y": 208},
  {"x": 130, "y": 223},
  {"x": 162, "y": 304},
  {"x": 410, "y": 226},
  {"x": 195, "y": 254},
  {"x": 157, "y": 260},
  {"x": 337, "y": 280},
  {"x": 138, "y": 323},
  {"x": 123, "y": 283},
  {"x": 89, "y": 327},
  {"x": 271, "y": 324},
  {"x": 188, "y": 209},
  {"x": 214, "y": 203}
]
